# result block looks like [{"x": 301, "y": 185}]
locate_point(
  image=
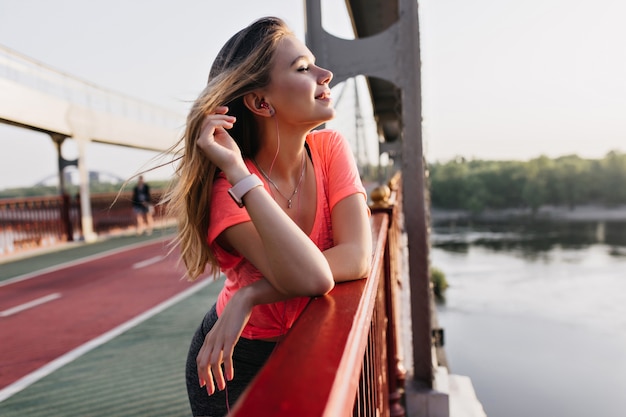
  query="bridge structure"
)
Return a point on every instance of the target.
[
  {"x": 37, "y": 97},
  {"x": 386, "y": 51}
]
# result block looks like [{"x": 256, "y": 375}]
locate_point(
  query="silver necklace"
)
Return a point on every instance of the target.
[{"x": 295, "y": 191}]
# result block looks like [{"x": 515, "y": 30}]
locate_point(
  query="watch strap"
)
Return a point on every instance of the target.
[{"x": 239, "y": 190}]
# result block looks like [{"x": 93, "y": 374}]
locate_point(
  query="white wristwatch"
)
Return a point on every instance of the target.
[{"x": 243, "y": 186}]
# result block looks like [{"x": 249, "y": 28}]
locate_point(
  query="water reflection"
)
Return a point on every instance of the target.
[
  {"x": 535, "y": 314},
  {"x": 531, "y": 240}
]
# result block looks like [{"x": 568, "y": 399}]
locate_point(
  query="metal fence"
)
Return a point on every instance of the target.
[{"x": 34, "y": 222}]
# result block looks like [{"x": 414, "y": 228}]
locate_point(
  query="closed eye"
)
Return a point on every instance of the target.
[{"x": 303, "y": 69}]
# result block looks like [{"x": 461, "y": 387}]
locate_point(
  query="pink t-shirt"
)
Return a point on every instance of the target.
[{"x": 336, "y": 176}]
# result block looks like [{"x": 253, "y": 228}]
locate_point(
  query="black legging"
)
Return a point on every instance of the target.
[{"x": 248, "y": 358}]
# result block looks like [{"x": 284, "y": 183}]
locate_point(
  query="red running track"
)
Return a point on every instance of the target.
[{"x": 84, "y": 301}]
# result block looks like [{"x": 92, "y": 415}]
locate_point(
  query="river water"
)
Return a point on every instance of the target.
[{"x": 535, "y": 315}]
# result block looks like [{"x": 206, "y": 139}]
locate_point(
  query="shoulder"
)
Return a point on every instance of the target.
[
  {"x": 323, "y": 137},
  {"x": 326, "y": 142}
]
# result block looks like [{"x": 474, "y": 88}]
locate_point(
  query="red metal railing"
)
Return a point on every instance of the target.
[
  {"x": 111, "y": 211},
  {"x": 32, "y": 222},
  {"x": 341, "y": 357}
]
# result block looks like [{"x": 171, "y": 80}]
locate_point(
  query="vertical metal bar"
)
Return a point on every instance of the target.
[{"x": 413, "y": 192}]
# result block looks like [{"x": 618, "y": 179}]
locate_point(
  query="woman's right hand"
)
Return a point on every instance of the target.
[
  {"x": 219, "y": 146},
  {"x": 220, "y": 342}
]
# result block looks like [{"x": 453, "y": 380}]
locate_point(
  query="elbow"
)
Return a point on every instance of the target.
[
  {"x": 362, "y": 264},
  {"x": 315, "y": 284},
  {"x": 322, "y": 284},
  {"x": 365, "y": 268},
  {"x": 326, "y": 286},
  {"x": 320, "y": 279},
  {"x": 362, "y": 269},
  {"x": 313, "y": 289}
]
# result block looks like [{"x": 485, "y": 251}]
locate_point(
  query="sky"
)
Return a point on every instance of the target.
[{"x": 501, "y": 79}]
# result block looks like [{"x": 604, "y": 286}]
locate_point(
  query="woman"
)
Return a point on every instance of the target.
[{"x": 275, "y": 206}]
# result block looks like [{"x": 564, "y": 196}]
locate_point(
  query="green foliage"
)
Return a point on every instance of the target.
[
  {"x": 94, "y": 188},
  {"x": 566, "y": 181},
  {"x": 439, "y": 281}
]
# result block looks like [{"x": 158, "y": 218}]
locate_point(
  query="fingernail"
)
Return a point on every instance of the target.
[{"x": 202, "y": 383}]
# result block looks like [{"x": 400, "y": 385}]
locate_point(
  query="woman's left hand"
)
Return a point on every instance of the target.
[
  {"x": 220, "y": 342},
  {"x": 219, "y": 146}
]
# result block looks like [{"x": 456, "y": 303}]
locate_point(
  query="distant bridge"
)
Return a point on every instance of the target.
[
  {"x": 98, "y": 176},
  {"x": 37, "y": 97}
]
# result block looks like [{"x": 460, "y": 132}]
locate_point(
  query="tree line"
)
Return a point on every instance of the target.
[
  {"x": 95, "y": 187},
  {"x": 476, "y": 185},
  {"x": 570, "y": 181}
]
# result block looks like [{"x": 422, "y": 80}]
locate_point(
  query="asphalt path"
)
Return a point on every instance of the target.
[{"x": 62, "y": 308}]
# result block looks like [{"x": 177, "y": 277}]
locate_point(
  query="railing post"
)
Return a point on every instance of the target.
[
  {"x": 65, "y": 217},
  {"x": 385, "y": 201}
]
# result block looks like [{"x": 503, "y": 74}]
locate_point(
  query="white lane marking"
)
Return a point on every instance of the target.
[
  {"x": 59, "y": 362},
  {"x": 30, "y": 304},
  {"x": 89, "y": 258},
  {"x": 148, "y": 262}
]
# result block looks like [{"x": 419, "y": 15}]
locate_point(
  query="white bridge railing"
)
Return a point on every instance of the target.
[{"x": 38, "y": 76}]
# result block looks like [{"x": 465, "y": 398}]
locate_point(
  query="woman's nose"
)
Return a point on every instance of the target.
[{"x": 325, "y": 76}]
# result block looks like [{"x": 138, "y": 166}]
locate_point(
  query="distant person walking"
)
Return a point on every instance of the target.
[{"x": 142, "y": 206}]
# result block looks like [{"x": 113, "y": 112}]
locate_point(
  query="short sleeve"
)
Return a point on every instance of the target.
[
  {"x": 340, "y": 167},
  {"x": 224, "y": 214}
]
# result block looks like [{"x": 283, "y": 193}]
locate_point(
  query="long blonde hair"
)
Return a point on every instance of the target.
[{"x": 242, "y": 66}]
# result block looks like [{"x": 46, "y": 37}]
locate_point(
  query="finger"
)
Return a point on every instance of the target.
[
  {"x": 216, "y": 369},
  {"x": 202, "y": 367},
  {"x": 206, "y": 379},
  {"x": 228, "y": 362},
  {"x": 210, "y": 386},
  {"x": 221, "y": 110},
  {"x": 220, "y": 383},
  {"x": 213, "y": 121}
]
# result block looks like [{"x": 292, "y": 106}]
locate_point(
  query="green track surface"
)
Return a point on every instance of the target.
[{"x": 138, "y": 373}]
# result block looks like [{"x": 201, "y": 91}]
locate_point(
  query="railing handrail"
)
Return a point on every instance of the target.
[
  {"x": 31, "y": 73},
  {"x": 315, "y": 369},
  {"x": 25, "y": 200}
]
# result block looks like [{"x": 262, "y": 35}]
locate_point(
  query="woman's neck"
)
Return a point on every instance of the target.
[{"x": 281, "y": 152}]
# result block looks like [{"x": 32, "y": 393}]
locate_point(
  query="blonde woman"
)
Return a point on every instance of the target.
[{"x": 277, "y": 207}]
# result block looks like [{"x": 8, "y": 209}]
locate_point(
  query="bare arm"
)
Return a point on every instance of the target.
[
  {"x": 350, "y": 257},
  {"x": 285, "y": 255},
  {"x": 220, "y": 342}
]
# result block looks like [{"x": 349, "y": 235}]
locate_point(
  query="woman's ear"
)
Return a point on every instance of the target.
[{"x": 257, "y": 105}]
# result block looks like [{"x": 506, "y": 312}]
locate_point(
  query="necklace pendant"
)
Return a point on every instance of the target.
[{"x": 288, "y": 204}]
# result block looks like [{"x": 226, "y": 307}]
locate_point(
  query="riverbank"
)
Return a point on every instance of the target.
[{"x": 587, "y": 213}]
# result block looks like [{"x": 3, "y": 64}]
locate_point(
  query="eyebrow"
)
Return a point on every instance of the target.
[{"x": 305, "y": 57}]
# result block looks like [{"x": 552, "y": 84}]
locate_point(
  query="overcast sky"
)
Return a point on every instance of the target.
[{"x": 501, "y": 79}]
